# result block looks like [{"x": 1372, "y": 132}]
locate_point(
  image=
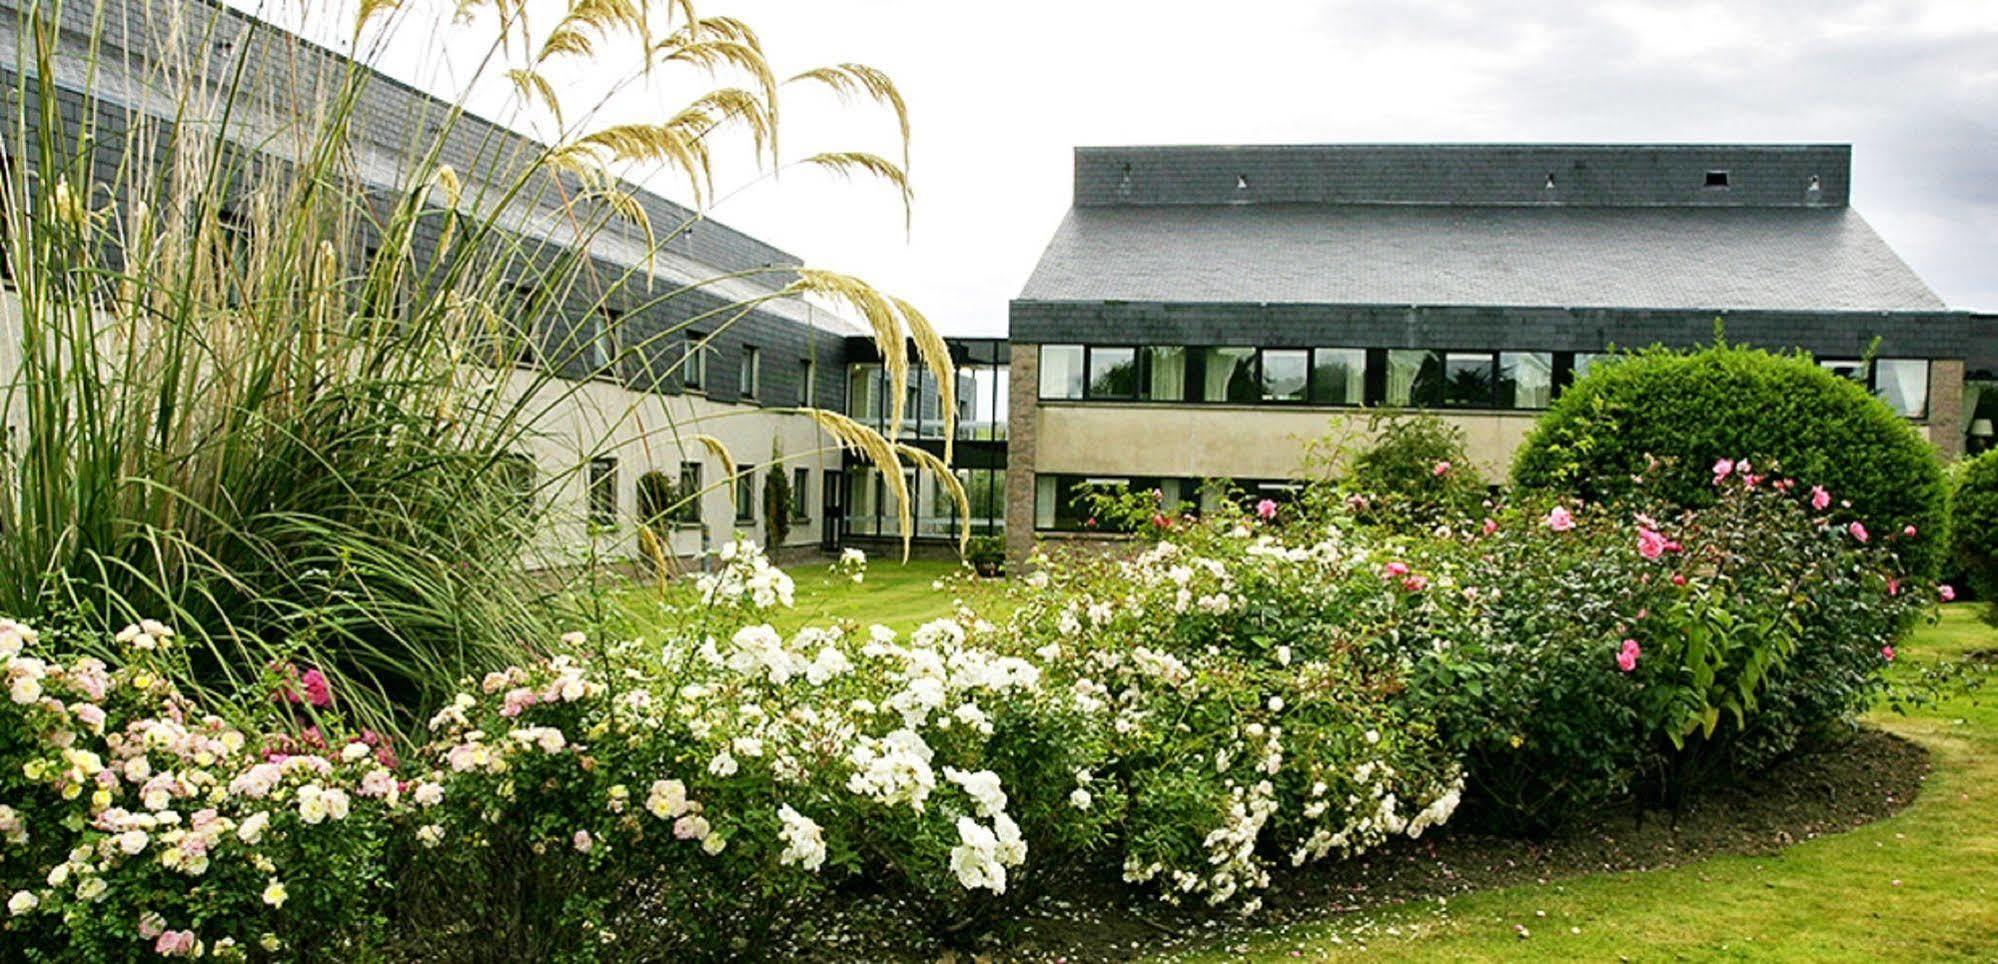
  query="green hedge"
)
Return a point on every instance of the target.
[
  {"x": 1973, "y": 523},
  {"x": 1670, "y": 416}
]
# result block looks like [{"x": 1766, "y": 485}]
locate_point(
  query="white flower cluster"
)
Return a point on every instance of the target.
[{"x": 745, "y": 575}]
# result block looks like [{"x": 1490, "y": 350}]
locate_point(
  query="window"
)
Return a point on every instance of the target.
[
  {"x": 808, "y": 383},
  {"x": 1467, "y": 380},
  {"x": 1904, "y": 384},
  {"x": 694, "y": 361},
  {"x": 1851, "y": 368},
  {"x": 1165, "y": 373},
  {"x": 603, "y": 492},
  {"x": 1717, "y": 179},
  {"x": 1113, "y": 373},
  {"x": 801, "y": 487},
  {"x": 1586, "y": 361},
  {"x": 689, "y": 496},
  {"x": 1526, "y": 379},
  {"x": 518, "y": 309},
  {"x": 1061, "y": 371},
  {"x": 1228, "y": 375},
  {"x": 745, "y": 494},
  {"x": 865, "y": 399},
  {"x": 1338, "y": 376},
  {"x": 751, "y": 371},
  {"x": 597, "y": 334},
  {"x": 1285, "y": 374},
  {"x": 1414, "y": 378}
]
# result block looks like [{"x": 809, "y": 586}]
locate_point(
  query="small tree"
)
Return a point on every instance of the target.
[{"x": 776, "y": 505}]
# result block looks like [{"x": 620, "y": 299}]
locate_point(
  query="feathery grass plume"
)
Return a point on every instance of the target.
[
  {"x": 886, "y": 324},
  {"x": 272, "y": 417},
  {"x": 849, "y": 80},
  {"x": 370, "y": 9},
  {"x": 691, "y": 45},
  {"x": 725, "y": 105},
  {"x": 882, "y": 454},
  {"x": 533, "y": 87},
  {"x": 845, "y": 163},
  {"x": 720, "y": 451},
  {"x": 936, "y": 355},
  {"x": 940, "y": 469},
  {"x": 585, "y": 22}
]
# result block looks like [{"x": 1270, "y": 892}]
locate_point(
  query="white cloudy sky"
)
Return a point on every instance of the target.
[{"x": 1000, "y": 93}]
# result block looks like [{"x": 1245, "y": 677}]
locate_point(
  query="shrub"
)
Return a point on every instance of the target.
[
  {"x": 1973, "y": 523},
  {"x": 1414, "y": 474},
  {"x": 1588, "y": 653},
  {"x": 1666, "y": 417}
]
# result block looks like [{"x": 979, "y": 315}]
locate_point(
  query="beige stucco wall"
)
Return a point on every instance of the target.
[
  {"x": 1229, "y": 441},
  {"x": 642, "y": 431}
]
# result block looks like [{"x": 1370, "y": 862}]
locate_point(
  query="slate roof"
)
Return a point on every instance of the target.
[{"x": 1776, "y": 258}]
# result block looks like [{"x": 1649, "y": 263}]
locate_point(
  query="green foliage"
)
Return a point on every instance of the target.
[
  {"x": 776, "y": 506},
  {"x": 985, "y": 551},
  {"x": 1973, "y": 522},
  {"x": 1414, "y": 474},
  {"x": 1666, "y": 417}
]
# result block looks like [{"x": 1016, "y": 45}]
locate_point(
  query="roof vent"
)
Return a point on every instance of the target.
[
  {"x": 1549, "y": 186},
  {"x": 1124, "y": 184},
  {"x": 1815, "y": 184},
  {"x": 1717, "y": 179},
  {"x": 1241, "y": 182}
]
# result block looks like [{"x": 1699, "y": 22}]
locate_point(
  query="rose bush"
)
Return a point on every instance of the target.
[{"x": 1259, "y": 688}]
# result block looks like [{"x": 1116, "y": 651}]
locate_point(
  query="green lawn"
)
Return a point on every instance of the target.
[
  {"x": 1922, "y": 885},
  {"x": 900, "y": 595}
]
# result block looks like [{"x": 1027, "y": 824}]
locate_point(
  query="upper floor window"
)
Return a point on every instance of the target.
[
  {"x": 1338, "y": 376},
  {"x": 1228, "y": 375},
  {"x": 1113, "y": 373},
  {"x": 694, "y": 361},
  {"x": 1286, "y": 373},
  {"x": 1904, "y": 384},
  {"x": 808, "y": 383},
  {"x": 1061, "y": 371},
  {"x": 1526, "y": 379},
  {"x": 751, "y": 371}
]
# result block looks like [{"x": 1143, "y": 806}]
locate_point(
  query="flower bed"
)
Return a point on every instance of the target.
[{"x": 1270, "y": 688}]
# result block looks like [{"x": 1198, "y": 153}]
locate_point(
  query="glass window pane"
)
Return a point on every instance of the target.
[
  {"x": 1338, "y": 376},
  {"x": 1061, "y": 371},
  {"x": 1113, "y": 373},
  {"x": 863, "y": 394},
  {"x": 1285, "y": 372},
  {"x": 1165, "y": 373},
  {"x": 1228, "y": 375},
  {"x": 1845, "y": 368},
  {"x": 1467, "y": 380},
  {"x": 1044, "y": 501},
  {"x": 1526, "y": 379},
  {"x": 1904, "y": 383},
  {"x": 1414, "y": 378},
  {"x": 1586, "y": 361}
]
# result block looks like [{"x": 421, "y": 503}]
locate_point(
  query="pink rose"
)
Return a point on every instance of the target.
[
  {"x": 1887, "y": 653},
  {"x": 1266, "y": 509},
  {"x": 1395, "y": 569},
  {"x": 1650, "y": 544},
  {"x": 1858, "y": 531},
  {"x": 318, "y": 691},
  {"x": 1819, "y": 498},
  {"x": 1491, "y": 526},
  {"x": 1441, "y": 469},
  {"x": 1893, "y": 586},
  {"x": 175, "y": 944},
  {"x": 1947, "y": 592},
  {"x": 1415, "y": 583},
  {"x": 1909, "y": 532},
  {"x": 1560, "y": 520},
  {"x": 1723, "y": 469},
  {"x": 1626, "y": 658}
]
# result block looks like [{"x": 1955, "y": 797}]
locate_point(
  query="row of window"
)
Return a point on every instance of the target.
[
  {"x": 1402, "y": 378},
  {"x": 1063, "y": 503},
  {"x": 603, "y": 509}
]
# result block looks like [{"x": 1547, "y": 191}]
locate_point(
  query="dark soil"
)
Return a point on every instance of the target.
[{"x": 1829, "y": 790}]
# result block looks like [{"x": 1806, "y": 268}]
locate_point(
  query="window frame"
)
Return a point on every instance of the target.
[
  {"x": 694, "y": 363},
  {"x": 1081, "y": 368},
  {"x": 749, "y": 373},
  {"x": 601, "y": 485},
  {"x": 743, "y": 488},
  {"x": 691, "y": 491},
  {"x": 801, "y": 486}
]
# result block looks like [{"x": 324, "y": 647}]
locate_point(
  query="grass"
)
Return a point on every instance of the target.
[
  {"x": 899, "y": 595},
  {"x": 1920, "y": 885}
]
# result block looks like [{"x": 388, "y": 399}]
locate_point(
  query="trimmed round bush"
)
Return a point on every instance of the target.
[
  {"x": 1667, "y": 417},
  {"x": 1973, "y": 523}
]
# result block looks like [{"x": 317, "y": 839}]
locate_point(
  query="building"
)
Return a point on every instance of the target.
[{"x": 1202, "y": 311}]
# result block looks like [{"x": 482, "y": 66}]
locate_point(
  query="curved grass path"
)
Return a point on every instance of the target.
[{"x": 1922, "y": 885}]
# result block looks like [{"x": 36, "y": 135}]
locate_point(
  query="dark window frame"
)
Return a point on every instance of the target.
[
  {"x": 744, "y": 489},
  {"x": 601, "y": 491}
]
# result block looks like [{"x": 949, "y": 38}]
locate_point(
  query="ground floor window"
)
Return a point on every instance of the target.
[{"x": 603, "y": 492}]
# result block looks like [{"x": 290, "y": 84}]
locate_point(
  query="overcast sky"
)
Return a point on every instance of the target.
[{"x": 1000, "y": 93}]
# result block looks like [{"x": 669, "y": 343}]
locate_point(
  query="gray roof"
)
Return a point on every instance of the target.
[{"x": 1777, "y": 258}]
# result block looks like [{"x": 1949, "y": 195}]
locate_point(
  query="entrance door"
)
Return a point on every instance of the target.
[{"x": 832, "y": 509}]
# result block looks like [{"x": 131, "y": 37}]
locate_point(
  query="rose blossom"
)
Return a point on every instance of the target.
[
  {"x": 1819, "y": 498},
  {"x": 1266, "y": 509},
  {"x": 1626, "y": 658},
  {"x": 1560, "y": 519},
  {"x": 1858, "y": 531}
]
